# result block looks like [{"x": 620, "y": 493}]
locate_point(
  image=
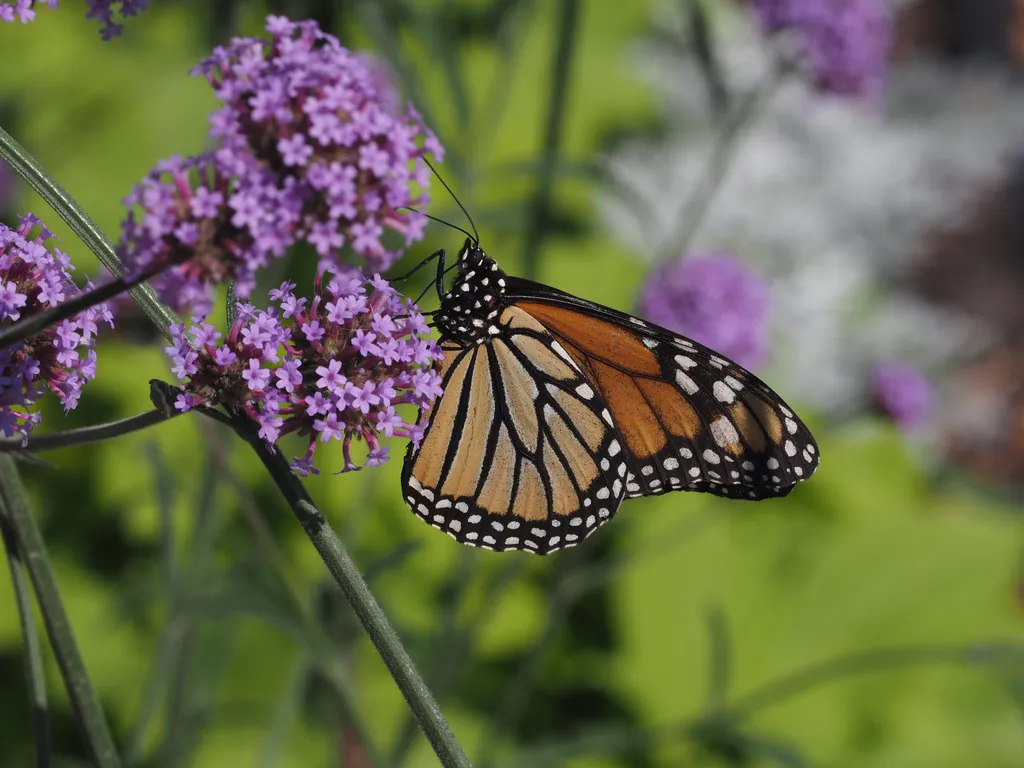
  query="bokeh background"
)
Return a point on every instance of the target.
[{"x": 873, "y": 618}]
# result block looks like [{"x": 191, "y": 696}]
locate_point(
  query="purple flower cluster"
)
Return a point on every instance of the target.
[
  {"x": 902, "y": 393},
  {"x": 33, "y": 278},
  {"x": 845, "y": 43},
  {"x": 310, "y": 147},
  {"x": 333, "y": 368},
  {"x": 186, "y": 219},
  {"x": 102, "y": 10},
  {"x": 715, "y": 300}
]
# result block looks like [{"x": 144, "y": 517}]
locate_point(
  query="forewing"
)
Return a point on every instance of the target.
[
  {"x": 689, "y": 419},
  {"x": 518, "y": 452}
]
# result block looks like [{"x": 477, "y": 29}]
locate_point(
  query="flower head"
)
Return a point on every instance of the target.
[
  {"x": 310, "y": 370},
  {"x": 60, "y": 358},
  {"x": 902, "y": 393},
  {"x": 321, "y": 134},
  {"x": 192, "y": 214},
  {"x": 715, "y": 300},
  {"x": 844, "y": 43}
]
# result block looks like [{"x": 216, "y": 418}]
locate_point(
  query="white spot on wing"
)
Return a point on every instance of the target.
[
  {"x": 723, "y": 393},
  {"x": 724, "y": 432},
  {"x": 688, "y": 385}
]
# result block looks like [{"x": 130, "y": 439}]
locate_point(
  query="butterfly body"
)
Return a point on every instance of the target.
[{"x": 556, "y": 409}]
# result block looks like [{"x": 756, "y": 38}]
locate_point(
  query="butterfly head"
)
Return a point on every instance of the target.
[{"x": 470, "y": 309}]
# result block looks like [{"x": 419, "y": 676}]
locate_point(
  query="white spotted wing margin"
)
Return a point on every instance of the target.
[
  {"x": 736, "y": 437},
  {"x": 519, "y": 452}
]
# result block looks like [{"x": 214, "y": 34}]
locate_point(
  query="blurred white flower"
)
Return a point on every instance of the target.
[{"x": 828, "y": 199}]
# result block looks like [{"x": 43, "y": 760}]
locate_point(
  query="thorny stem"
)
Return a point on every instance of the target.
[
  {"x": 88, "y": 232},
  {"x": 29, "y": 539}
]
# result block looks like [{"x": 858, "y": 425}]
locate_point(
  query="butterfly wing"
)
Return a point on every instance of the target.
[
  {"x": 519, "y": 451},
  {"x": 689, "y": 418}
]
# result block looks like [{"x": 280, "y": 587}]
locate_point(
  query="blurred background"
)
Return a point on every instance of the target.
[{"x": 873, "y": 618}]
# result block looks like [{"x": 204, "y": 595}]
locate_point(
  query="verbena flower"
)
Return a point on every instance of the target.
[
  {"x": 715, "y": 300},
  {"x": 845, "y": 44},
  {"x": 331, "y": 368},
  {"x": 308, "y": 123},
  {"x": 214, "y": 228},
  {"x": 60, "y": 358},
  {"x": 902, "y": 393},
  {"x": 104, "y": 11}
]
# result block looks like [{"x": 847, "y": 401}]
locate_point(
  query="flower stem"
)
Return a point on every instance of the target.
[
  {"x": 84, "y": 701},
  {"x": 35, "y": 676},
  {"x": 568, "y": 13},
  {"x": 85, "y": 435},
  {"x": 698, "y": 203},
  {"x": 33, "y": 324},
  {"x": 88, "y": 232},
  {"x": 417, "y": 695}
]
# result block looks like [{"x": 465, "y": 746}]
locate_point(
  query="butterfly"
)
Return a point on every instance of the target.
[{"x": 556, "y": 409}]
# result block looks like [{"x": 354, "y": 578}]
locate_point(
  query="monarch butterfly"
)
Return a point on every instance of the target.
[{"x": 555, "y": 409}]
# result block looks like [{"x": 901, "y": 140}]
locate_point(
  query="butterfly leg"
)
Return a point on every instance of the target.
[{"x": 418, "y": 267}]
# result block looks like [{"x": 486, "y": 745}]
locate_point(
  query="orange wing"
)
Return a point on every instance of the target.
[{"x": 689, "y": 418}]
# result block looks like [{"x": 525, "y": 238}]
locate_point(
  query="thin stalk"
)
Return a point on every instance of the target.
[
  {"x": 35, "y": 675},
  {"x": 456, "y": 644},
  {"x": 347, "y": 576},
  {"x": 84, "y": 701},
  {"x": 317, "y": 647},
  {"x": 537, "y": 224},
  {"x": 84, "y": 227},
  {"x": 736, "y": 126},
  {"x": 85, "y": 435},
  {"x": 33, "y": 324}
]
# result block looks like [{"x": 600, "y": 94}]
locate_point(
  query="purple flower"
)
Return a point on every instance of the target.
[
  {"x": 196, "y": 192},
  {"x": 341, "y": 382},
  {"x": 320, "y": 131},
  {"x": 902, "y": 393},
  {"x": 103, "y": 11},
  {"x": 59, "y": 358},
  {"x": 845, "y": 44},
  {"x": 715, "y": 300}
]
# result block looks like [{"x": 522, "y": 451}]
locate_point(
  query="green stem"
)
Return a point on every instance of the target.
[
  {"x": 35, "y": 676},
  {"x": 84, "y": 227},
  {"x": 417, "y": 695},
  {"x": 84, "y": 701},
  {"x": 37, "y": 322},
  {"x": 86, "y": 435},
  {"x": 568, "y": 11},
  {"x": 318, "y": 647},
  {"x": 721, "y": 160}
]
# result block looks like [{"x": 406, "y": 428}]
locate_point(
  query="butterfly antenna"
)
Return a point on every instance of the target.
[
  {"x": 434, "y": 218},
  {"x": 476, "y": 236}
]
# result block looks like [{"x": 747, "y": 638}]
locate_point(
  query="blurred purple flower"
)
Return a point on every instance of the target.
[
  {"x": 33, "y": 278},
  {"x": 715, "y": 300},
  {"x": 297, "y": 369},
  {"x": 318, "y": 129},
  {"x": 902, "y": 393},
  {"x": 845, "y": 43},
  {"x": 102, "y": 10}
]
